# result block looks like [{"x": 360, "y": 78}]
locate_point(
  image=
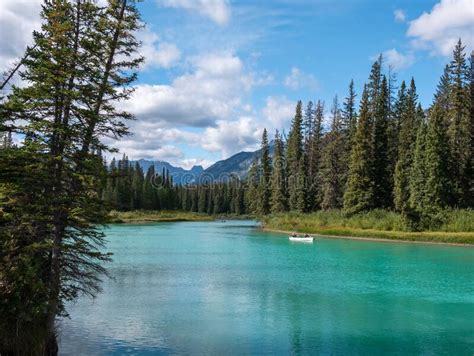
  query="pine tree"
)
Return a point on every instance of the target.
[
  {"x": 417, "y": 179},
  {"x": 348, "y": 128},
  {"x": 308, "y": 122},
  {"x": 393, "y": 130},
  {"x": 460, "y": 125},
  {"x": 407, "y": 141},
  {"x": 333, "y": 161},
  {"x": 349, "y": 115},
  {"x": 300, "y": 187},
  {"x": 264, "y": 184},
  {"x": 442, "y": 95},
  {"x": 252, "y": 190},
  {"x": 278, "y": 199},
  {"x": 359, "y": 194},
  {"x": 137, "y": 187},
  {"x": 382, "y": 174},
  {"x": 437, "y": 182},
  {"x": 202, "y": 199},
  {"x": 294, "y": 154},
  {"x": 313, "y": 153},
  {"x": 374, "y": 86}
]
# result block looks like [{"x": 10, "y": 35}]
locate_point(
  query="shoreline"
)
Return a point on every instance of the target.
[{"x": 378, "y": 239}]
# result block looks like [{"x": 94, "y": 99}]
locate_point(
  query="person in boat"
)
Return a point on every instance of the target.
[
  {"x": 293, "y": 234},
  {"x": 306, "y": 235}
]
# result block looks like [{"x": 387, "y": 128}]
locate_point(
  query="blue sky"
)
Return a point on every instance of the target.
[{"x": 218, "y": 71}]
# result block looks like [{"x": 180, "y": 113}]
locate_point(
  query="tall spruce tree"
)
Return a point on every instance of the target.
[
  {"x": 313, "y": 154},
  {"x": 252, "y": 190},
  {"x": 359, "y": 194},
  {"x": 417, "y": 179},
  {"x": 460, "y": 125},
  {"x": 438, "y": 181},
  {"x": 308, "y": 122},
  {"x": 293, "y": 157},
  {"x": 382, "y": 174},
  {"x": 407, "y": 141},
  {"x": 266, "y": 169},
  {"x": 374, "y": 85},
  {"x": 278, "y": 199},
  {"x": 333, "y": 162},
  {"x": 349, "y": 114}
]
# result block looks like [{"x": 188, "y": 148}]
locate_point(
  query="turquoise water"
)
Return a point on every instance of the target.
[{"x": 228, "y": 288}]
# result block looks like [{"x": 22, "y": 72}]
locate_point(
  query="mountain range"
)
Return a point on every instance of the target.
[{"x": 235, "y": 166}]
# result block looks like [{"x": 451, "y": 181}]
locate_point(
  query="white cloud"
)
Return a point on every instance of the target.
[
  {"x": 278, "y": 112},
  {"x": 297, "y": 79},
  {"x": 229, "y": 137},
  {"x": 157, "y": 53},
  {"x": 217, "y": 10},
  {"x": 204, "y": 107},
  {"x": 439, "y": 29},
  {"x": 398, "y": 60},
  {"x": 213, "y": 90},
  {"x": 157, "y": 140},
  {"x": 18, "y": 19},
  {"x": 399, "y": 15},
  {"x": 244, "y": 134}
]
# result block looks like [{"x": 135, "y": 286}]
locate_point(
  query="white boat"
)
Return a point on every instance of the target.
[{"x": 301, "y": 239}]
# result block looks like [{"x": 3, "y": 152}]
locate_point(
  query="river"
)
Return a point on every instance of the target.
[{"x": 229, "y": 288}]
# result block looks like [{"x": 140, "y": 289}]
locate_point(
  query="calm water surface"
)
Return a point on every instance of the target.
[{"x": 227, "y": 288}]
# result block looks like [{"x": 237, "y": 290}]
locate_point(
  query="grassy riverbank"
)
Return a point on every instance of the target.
[
  {"x": 142, "y": 216},
  {"x": 456, "y": 227}
]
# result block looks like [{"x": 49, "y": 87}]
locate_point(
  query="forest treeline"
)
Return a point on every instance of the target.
[
  {"x": 389, "y": 153},
  {"x": 127, "y": 187},
  {"x": 82, "y": 62}
]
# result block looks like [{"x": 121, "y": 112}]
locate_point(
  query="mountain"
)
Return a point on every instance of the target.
[
  {"x": 180, "y": 175},
  {"x": 237, "y": 165}
]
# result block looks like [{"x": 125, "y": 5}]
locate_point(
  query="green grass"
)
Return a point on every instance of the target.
[
  {"x": 455, "y": 226},
  {"x": 142, "y": 216}
]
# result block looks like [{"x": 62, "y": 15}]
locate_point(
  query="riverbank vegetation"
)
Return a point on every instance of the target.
[
  {"x": 455, "y": 226},
  {"x": 144, "y": 216}
]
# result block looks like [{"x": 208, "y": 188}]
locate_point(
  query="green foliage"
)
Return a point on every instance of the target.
[
  {"x": 333, "y": 162},
  {"x": 144, "y": 216},
  {"x": 437, "y": 182},
  {"x": 359, "y": 193},
  {"x": 313, "y": 153},
  {"x": 278, "y": 199},
  {"x": 381, "y": 170},
  {"x": 455, "y": 226},
  {"x": 418, "y": 184},
  {"x": 293, "y": 159},
  {"x": 73, "y": 82},
  {"x": 460, "y": 124},
  {"x": 266, "y": 169},
  {"x": 409, "y": 123}
]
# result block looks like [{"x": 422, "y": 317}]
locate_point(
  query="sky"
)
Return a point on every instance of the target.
[{"x": 218, "y": 71}]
